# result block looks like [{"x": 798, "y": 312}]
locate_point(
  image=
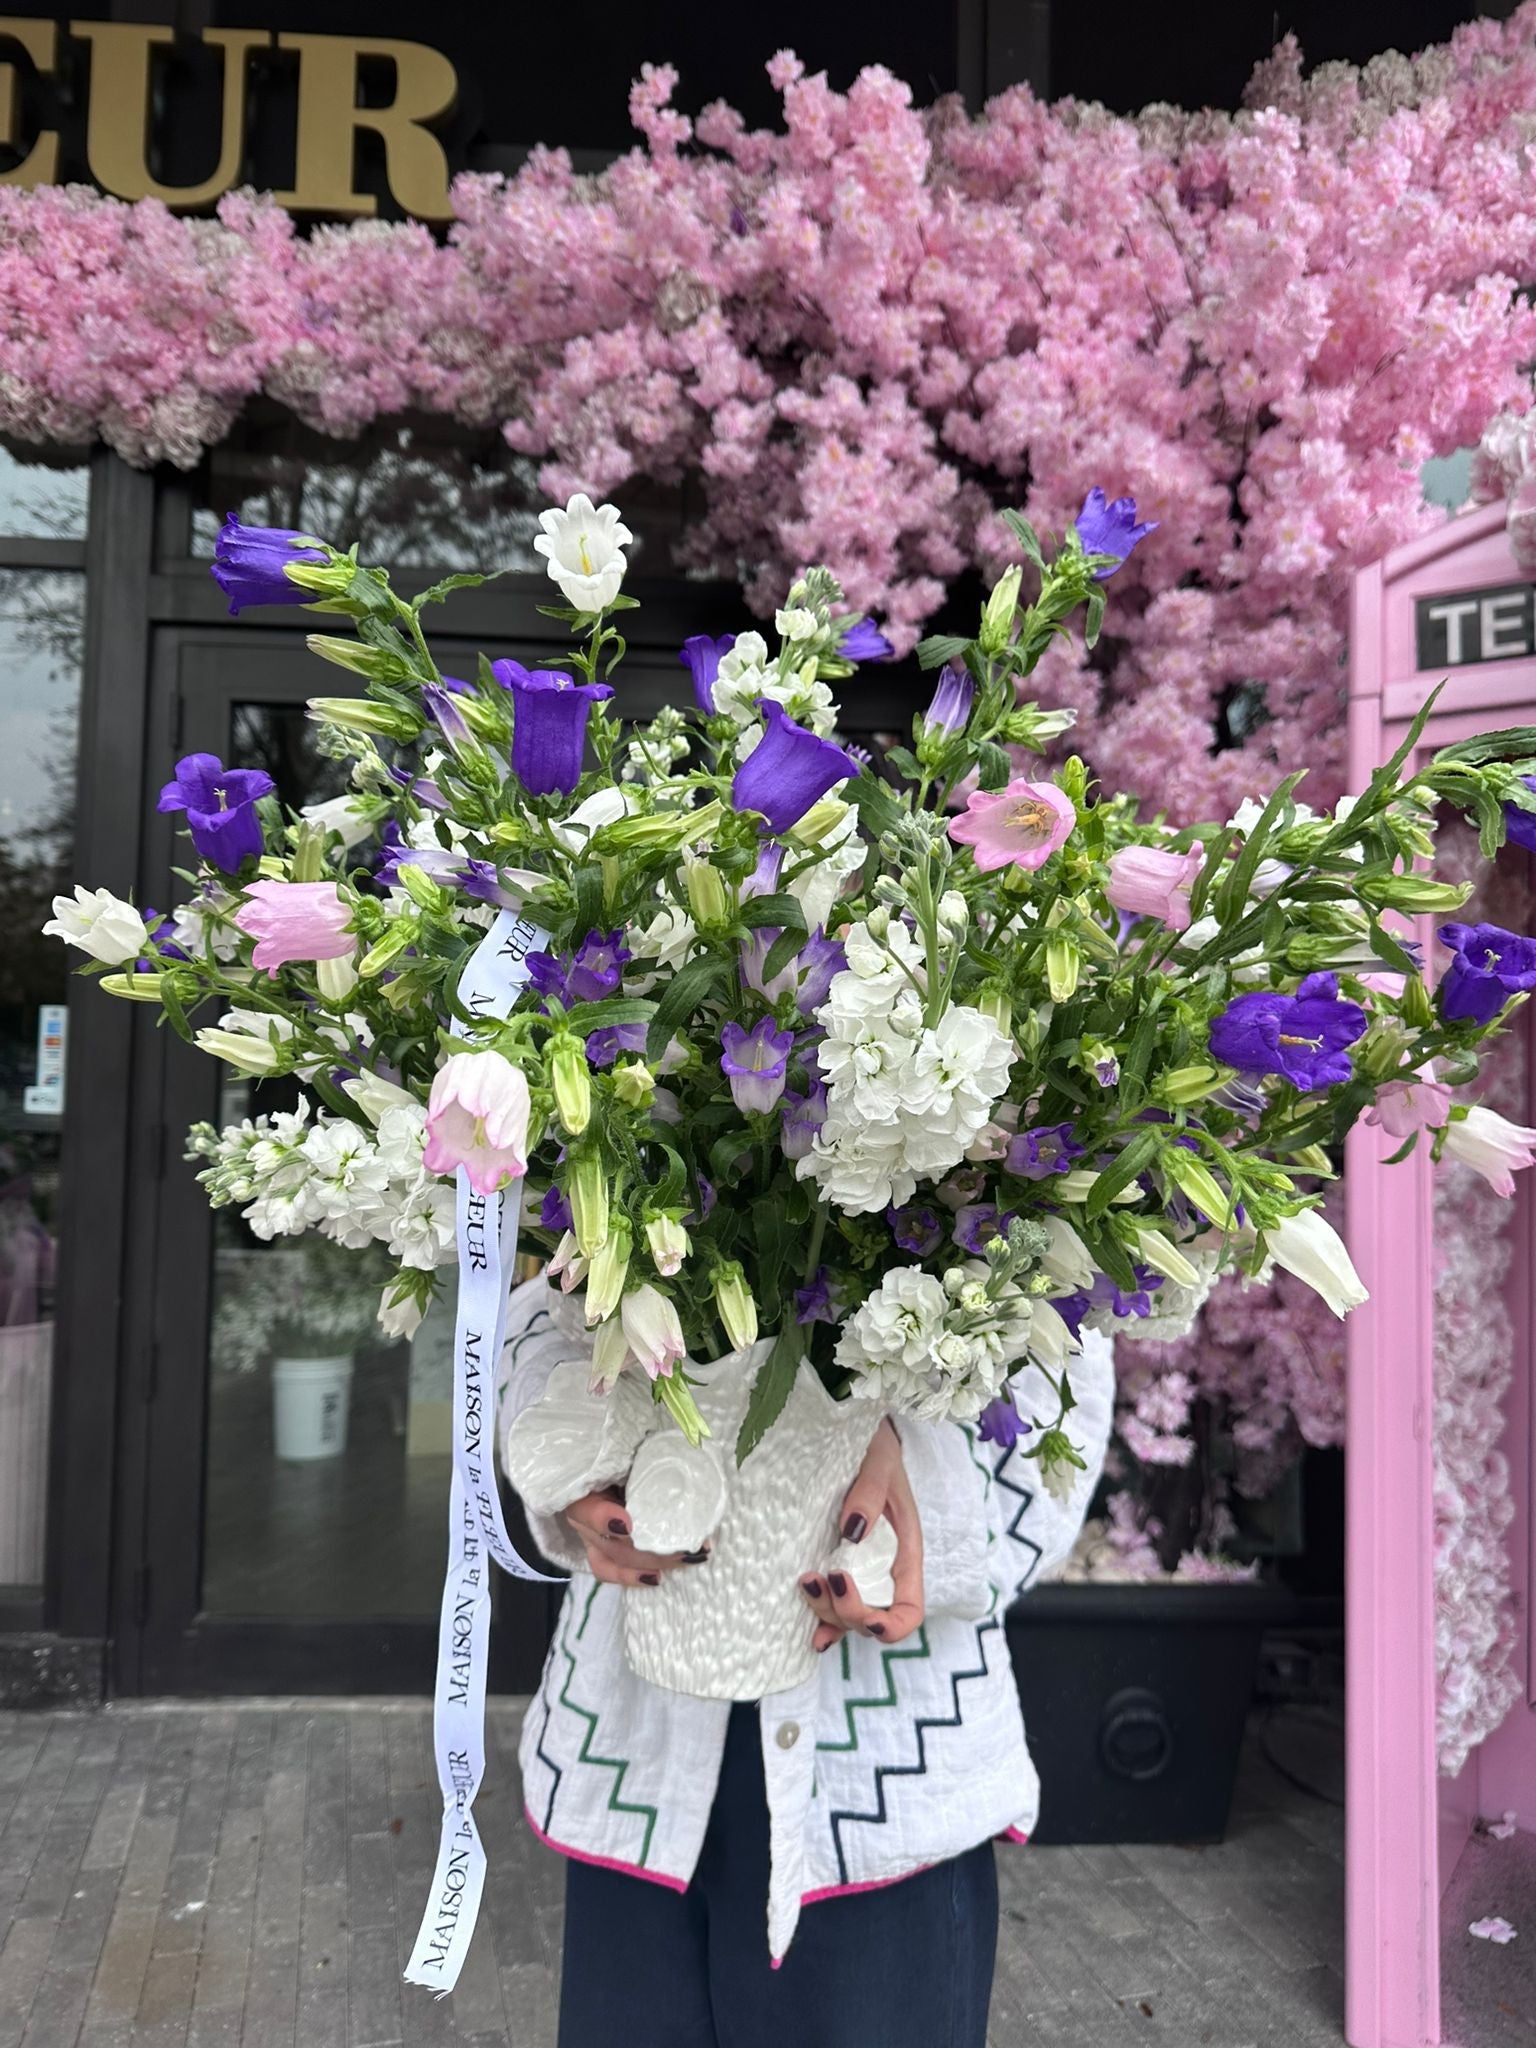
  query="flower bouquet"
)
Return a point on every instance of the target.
[{"x": 834, "y": 1090}]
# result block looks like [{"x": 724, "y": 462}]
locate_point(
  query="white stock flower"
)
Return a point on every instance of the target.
[
  {"x": 933, "y": 1348},
  {"x": 1309, "y": 1246},
  {"x": 900, "y": 1323},
  {"x": 1492, "y": 1146},
  {"x": 583, "y": 549},
  {"x": 422, "y": 1234},
  {"x": 100, "y": 924}
]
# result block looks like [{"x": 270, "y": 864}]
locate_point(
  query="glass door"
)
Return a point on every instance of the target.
[{"x": 301, "y": 1544}]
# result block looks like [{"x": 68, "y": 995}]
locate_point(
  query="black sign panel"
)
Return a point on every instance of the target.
[{"x": 1495, "y": 624}]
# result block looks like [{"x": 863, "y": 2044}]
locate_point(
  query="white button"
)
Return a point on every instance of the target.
[{"x": 789, "y": 1734}]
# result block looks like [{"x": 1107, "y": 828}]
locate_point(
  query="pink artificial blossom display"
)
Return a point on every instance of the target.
[
  {"x": 295, "y": 921},
  {"x": 477, "y": 1118},
  {"x": 1403, "y": 1107},
  {"x": 1147, "y": 881},
  {"x": 1021, "y": 825}
]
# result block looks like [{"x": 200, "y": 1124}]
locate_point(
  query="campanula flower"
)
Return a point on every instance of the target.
[
  {"x": 100, "y": 924},
  {"x": 1021, "y": 825},
  {"x": 1001, "y": 1423},
  {"x": 549, "y": 725},
  {"x": 1110, "y": 528},
  {"x": 800, "y": 1118},
  {"x": 916, "y": 1229},
  {"x": 583, "y": 549},
  {"x": 700, "y": 655},
  {"x": 220, "y": 806},
  {"x": 295, "y": 921},
  {"x": 251, "y": 563},
  {"x": 1148, "y": 881},
  {"x": 1301, "y": 1037},
  {"x": 864, "y": 641},
  {"x": 1041, "y": 1151},
  {"x": 1489, "y": 967},
  {"x": 1309, "y": 1246},
  {"x": 953, "y": 695},
  {"x": 1520, "y": 824},
  {"x": 1492, "y": 1146},
  {"x": 788, "y": 770},
  {"x": 477, "y": 1118},
  {"x": 1403, "y": 1107},
  {"x": 754, "y": 1062},
  {"x": 652, "y": 1329}
]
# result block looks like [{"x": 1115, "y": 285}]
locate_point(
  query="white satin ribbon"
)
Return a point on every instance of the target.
[{"x": 477, "y": 1533}]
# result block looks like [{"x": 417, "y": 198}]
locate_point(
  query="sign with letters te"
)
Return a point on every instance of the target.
[{"x": 1466, "y": 626}]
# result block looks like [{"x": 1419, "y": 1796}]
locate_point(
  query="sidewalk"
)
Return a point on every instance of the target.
[{"x": 250, "y": 1876}]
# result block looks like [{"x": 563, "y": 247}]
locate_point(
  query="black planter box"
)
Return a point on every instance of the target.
[{"x": 1134, "y": 1701}]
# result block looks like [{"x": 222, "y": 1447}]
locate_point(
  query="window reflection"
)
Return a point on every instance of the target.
[
  {"x": 41, "y": 622},
  {"x": 43, "y": 493}
]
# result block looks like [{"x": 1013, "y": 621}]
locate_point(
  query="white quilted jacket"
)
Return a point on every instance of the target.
[{"x": 887, "y": 1759}]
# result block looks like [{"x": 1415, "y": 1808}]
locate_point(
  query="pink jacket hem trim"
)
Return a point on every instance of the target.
[
  {"x": 1013, "y": 1835},
  {"x": 870, "y": 1884},
  {"x": 675, "y": 1884}
]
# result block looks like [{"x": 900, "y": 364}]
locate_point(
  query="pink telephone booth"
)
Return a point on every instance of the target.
[{"x": 1452, "y": 605}]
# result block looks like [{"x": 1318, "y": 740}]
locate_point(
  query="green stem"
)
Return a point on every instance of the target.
[{"x": 813, "y": 1253}]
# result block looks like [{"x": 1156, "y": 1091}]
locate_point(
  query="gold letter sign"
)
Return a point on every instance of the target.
[
  {"x": 329, "y": 117},
  {"x": 123, "y": 99}
]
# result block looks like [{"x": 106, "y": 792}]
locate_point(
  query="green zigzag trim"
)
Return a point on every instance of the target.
[
  {"x": 887, "y": 1659},
  {"x": 611, "y": 1763}
]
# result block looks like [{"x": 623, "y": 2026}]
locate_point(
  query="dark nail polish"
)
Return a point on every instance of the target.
[
  {"x": 695, "y": 1556},
  {"x": 617, "y": 1527},
  {"x": 853, "y": 1529},
  {"x": 877, "y": 1628},
  {"x": 811, "y": 1586},
  {"x": 822, "y": 1648},
  {"x": 838, "y": 1584},
  {"x": 650, "y": 1578}
]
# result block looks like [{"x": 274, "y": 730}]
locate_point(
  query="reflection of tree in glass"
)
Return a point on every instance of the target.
[
  {"x": 43, "y": 611},
  {"x": 281, "y": 739},
  {"x": 406, "y": 501}
]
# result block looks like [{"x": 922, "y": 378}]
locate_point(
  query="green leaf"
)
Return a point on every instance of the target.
[
  {"x": 1509, "y": 743},
  {"x": 783, "y": 910},
  {"x": 770, "y": 1391},
  {"x": 782, "y": 951},
  {"x": 1025, "y": 535},
  {"x": 439, "y": 591},
  {"x": 1109, "y": 1255},
  {"x": 1389, "y": 770},
  {"x": 773, "y": 1241},
  {"x": 1396, "y": 1158},
  {"x": 1386, "y": 948},
  {"x": 878, "y": 807},
  {"x": 993, "y": 766},
  {"x": 1205, "y": 881},
  {"x": 687, "y": 989},
  {"x": 725, "y": 1156},
  {"x": 1135, "y": 1159},
  {"x": 941, "y": 647},
  {"x": 609, "y": 1013},
  {"x": 587, "y": 882},
  {"x": 1233, "y": 893},
  {"x": 1094, "y": 617}
]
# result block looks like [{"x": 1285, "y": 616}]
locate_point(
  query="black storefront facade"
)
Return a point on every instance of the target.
[{"x": 151, "y": 1540}]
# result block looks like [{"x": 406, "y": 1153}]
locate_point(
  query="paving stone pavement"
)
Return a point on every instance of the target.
[{"x": 250, "y": 1875}]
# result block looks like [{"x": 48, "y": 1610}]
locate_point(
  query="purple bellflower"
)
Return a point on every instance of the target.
[
  {"x": 788, "y": 770},
  {"x": 1301, "y": 1037},
  {"x": 916, "y": 1229},
  {"x": 864, "y": 641},
  {"x": 700, "y": 654},
  {"x": 1490, "y": 966},
  {"x": 800, "y": 1118},
  {"x": 250, "y": 563},
  {"x": 220, "y": 804},
  {"x": 754, "y": 1062},
  {"x": 1042, "y": 1150},
  {"x": 953, "y": 695},
  {"x": 549, "y": 725},
  {"x": 1520, "y": 825},
  {"x": 1110, "y": 528},
  {"x": 1001, "y": 1423}
]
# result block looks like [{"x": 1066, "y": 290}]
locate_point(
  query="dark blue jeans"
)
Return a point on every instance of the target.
[{"x": 908, "y": 1965}]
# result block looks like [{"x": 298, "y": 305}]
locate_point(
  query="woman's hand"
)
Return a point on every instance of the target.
[
  {"x": 601, "y": 1522},
  {"x": 881, "y": 1488}
]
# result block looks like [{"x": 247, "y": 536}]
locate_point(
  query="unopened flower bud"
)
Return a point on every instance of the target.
[
  {"x": 421, "y": 888},
  {"x": 138, "y": 988},
  {"x": 361, "y": 714},
  {"x": 821, "y": 821},
  {"x": 994, "y": 1001},
  {"x": 634, "y": 1084},
  {"x": 1063, "y": 965},
  {"x": 706, "y": 893},
  {"x": 1185, "y": 1084},
  {"x": 954, "y": 913},
  {"x": 571, "y": 1081},
  {"x": 1002, "y": 604},
  {"x": 610, "y": 1348},
  {"x": 609, "y": 1269},
  {"x": 1413, "y": 892},
  {"x": 734, "y": 1304},
  {"x": 379, "y": 664},
  {"x": 587, "y": 1192},
  {"x": 403, "y": 933}
]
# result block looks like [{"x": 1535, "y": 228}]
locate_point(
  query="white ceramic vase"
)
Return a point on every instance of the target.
[{"x": 738, "y": 1627}]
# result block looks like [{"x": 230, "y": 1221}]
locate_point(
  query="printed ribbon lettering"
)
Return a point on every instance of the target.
[{"x": 487, "y": 1230}]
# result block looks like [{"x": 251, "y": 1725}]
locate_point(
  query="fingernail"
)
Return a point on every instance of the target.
[
  {"x": 838, "y": 1584},
  {"x": 853, "y": 1529},
  {"x": 821, "y": 1648},
  {"x": 617, "y": 1526},
  {"x": 694, "y": 1556},
  {"x": 877, "y": 1628},
  {"x": 650, "y": 1578},
  {"x": 811, "y": 1586}
]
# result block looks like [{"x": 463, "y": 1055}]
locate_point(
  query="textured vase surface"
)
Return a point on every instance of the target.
[{"x": 738, "y": 1627}]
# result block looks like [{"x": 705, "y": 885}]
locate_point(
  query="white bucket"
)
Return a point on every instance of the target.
[{"x": 309, "y": 1406}]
